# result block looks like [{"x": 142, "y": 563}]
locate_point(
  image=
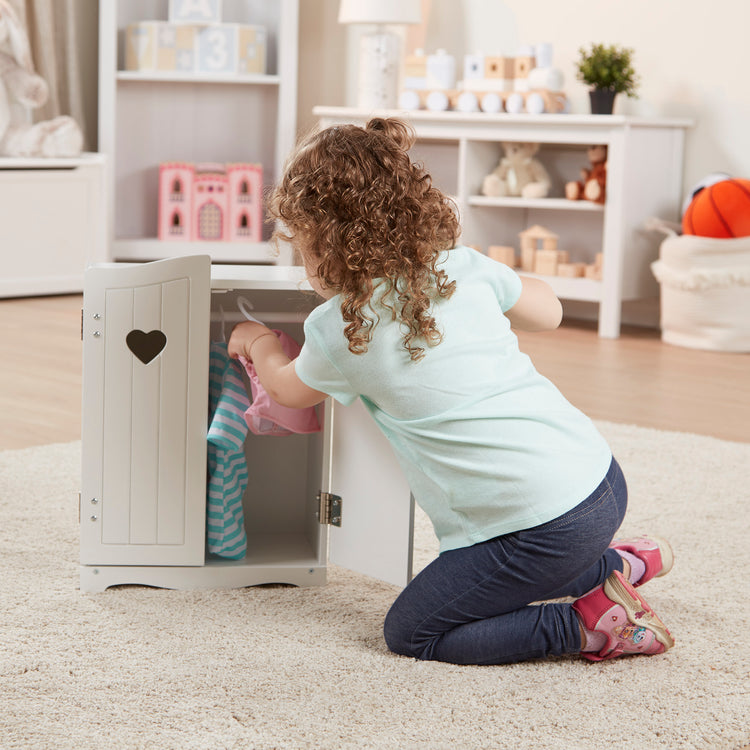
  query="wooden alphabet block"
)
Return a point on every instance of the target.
[
  {"x": 216, "y": 49},
  {"x": 502, "y": 254},
  {"x": 195, "y": 11},
  {"x": 251, "y": 52}
]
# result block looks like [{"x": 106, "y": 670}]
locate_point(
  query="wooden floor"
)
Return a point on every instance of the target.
[{"x": 635, "y": 379}]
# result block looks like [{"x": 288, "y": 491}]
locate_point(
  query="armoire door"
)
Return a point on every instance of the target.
[
  {"x": 145, "y": 332},
  {"x": 377, "y": 510}
]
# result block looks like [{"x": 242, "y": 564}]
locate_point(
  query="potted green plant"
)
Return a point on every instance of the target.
[{"x": 608, "y": 70}]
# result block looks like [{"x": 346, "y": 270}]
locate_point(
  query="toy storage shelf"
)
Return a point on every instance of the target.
[
  {"x": 146, "y": 118},
  {"x": 644, "y": 168}
]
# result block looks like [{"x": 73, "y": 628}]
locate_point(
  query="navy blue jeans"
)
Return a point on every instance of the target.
[{"x": 474, "y": 605}]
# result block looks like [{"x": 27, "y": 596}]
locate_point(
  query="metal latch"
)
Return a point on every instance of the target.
[{"x": 329, "y": 509}]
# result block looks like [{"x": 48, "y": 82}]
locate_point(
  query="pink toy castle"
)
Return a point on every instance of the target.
[{"x": 210, "y": 202}]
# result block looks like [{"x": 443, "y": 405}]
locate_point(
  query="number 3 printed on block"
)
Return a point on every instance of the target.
[{"x": 217, "y": 49}]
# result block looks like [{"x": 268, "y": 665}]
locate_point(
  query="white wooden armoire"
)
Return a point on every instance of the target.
[{"x": 146, "y": 332}]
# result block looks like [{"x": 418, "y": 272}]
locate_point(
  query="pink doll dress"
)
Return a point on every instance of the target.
[{"x": 265, "y": 416}]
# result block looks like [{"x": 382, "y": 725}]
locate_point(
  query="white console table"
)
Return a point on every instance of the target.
[
  {"x": 54, "y": 223},
  {"x": 644, "y": 179}
]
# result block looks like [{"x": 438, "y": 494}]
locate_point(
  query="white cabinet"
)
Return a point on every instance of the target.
[
  {"x": 53, "y": 223},
  {"x": 146, "y": 118},
  {"x": 644, "y": 179},
  {"x": 143, "y": 498}
]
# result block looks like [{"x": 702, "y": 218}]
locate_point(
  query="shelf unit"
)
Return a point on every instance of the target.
[
  {"x": 644, "y": 169},
  {"x": 148, "y": 118}
]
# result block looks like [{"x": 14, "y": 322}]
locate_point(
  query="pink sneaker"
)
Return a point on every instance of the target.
[
  {"x": 631, "y": 626},
  {"x": 655, "y": 552}
]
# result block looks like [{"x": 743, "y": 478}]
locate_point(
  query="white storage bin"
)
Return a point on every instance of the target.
[
  {"x": 53, "y": 223},
  {"x": 143, "y": 499},
  {"x": 705, "y": 292}
]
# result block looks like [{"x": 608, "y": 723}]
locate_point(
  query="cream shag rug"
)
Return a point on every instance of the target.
[{"x": 307, "y": 668}]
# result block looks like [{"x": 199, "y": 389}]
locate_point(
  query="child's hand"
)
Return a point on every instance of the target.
[{"x": 244, "y": 335}]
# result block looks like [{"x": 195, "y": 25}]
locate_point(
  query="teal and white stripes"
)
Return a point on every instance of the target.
[{"x": 227, "y": 466}]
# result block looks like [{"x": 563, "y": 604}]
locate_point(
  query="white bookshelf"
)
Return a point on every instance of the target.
[
  {"x": 146, "y": 118},
  {"x": 644, "y": 179}
]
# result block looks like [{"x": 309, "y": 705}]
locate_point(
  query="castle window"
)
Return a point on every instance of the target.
[
  {"x": 245, "y": 195},
  {"x": 176, "y": 226},
  {"x": 243, "y": 229},
  {"x": 176, "y": 194}
]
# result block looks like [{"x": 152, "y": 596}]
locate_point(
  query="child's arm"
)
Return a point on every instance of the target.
[
  {"x": 537, "y": 309},
  {"x": 275, "y": 370}
]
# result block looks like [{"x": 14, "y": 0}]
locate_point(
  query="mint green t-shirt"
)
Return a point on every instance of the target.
[{"x": 487, "y": 444}]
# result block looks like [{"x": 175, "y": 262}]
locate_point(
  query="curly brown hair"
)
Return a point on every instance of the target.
[{"x": 359, "y": 210}]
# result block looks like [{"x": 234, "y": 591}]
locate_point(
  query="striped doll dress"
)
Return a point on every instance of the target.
[{"x": 227, "y": 465}]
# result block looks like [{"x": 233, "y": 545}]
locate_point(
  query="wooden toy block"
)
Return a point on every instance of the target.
[
  {"x": 593, "y": 272},
  {"x": 216, "y": 49},
  {"x": 251, "y": 53},
  {"x": 195, "y": 11},
  {"x": 528, "y": 257},
  {"x": 599, "y": 260},
  {"x": 571, "y": 270},
  {"x": 538, "y": 237},
  {"x": 563, "y": 256},
  {"x": 159, "y": 45},
  {"x": 545, "y": 262},
  {"x": 474, "y": 66},
  {"x": 502, "y": 254},
  {"x": 499, "y": 67},
  {"x": 523, "y": 65}
]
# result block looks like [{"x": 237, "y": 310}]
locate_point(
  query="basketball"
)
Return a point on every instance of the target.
[{"x": 719, "y": 210}]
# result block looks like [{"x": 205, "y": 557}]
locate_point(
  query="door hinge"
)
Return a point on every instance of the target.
[{"x": 329, "y": 509}]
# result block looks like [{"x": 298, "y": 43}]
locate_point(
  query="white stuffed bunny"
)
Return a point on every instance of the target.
[{"x": 22, "y": 90}]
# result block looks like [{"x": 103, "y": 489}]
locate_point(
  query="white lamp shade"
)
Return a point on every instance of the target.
[{"x": 380, "y": 11}]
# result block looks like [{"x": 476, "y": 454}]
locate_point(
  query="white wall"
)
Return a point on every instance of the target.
[{"x": 692, "y": 57}]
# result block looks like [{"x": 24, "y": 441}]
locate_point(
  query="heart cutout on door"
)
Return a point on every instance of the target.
[{"x": 146, "y": 346}]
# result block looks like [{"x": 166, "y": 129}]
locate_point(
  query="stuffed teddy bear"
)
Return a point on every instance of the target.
[
  {"x": 518, "y": 173},
  {"x": 593, "y": 183},
  {"x": 22, "y": 90}
]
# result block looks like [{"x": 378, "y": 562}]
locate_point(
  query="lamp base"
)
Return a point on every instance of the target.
[{"x": 378, "y": 70}]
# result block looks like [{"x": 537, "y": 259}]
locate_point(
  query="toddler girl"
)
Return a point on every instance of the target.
[{"x": 523, "y": 492}]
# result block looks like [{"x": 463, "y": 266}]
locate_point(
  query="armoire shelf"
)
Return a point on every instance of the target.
[
  {"x": 644, "y": 169},
  {"x": 146, "y": 118}
]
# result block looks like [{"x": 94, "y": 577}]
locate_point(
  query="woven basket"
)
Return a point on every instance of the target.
[{"x": 705, "y": 292}]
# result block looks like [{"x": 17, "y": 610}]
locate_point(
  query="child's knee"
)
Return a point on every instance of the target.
[{"x": 398, "y": 636}]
